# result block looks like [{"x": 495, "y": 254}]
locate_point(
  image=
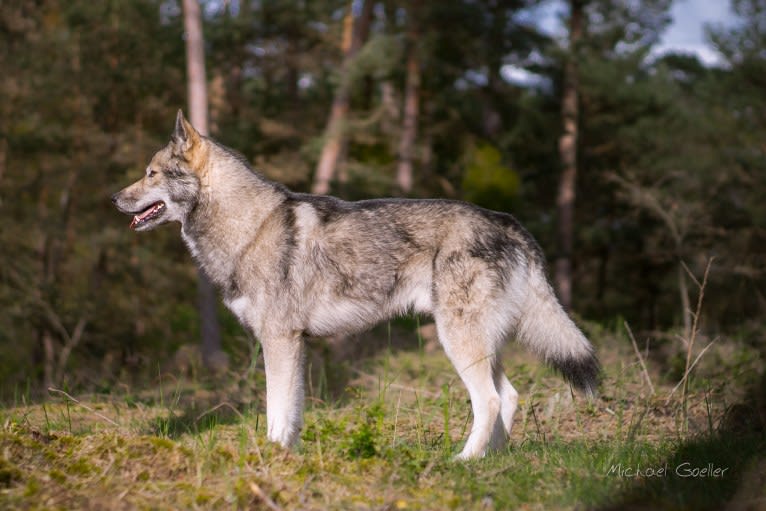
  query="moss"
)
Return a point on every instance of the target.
[
  {"x": 9, "y": 473},
  {"x": 57, "y": 475},
  {"x": 203, "y": 498},
  {"x": 162, "y": 443},
  {"x": 81, "y": 467},
  {"x": 69, "y": 441},
  {"x": 224, "y": 454},
  {"x": 32, "y": 488},
  {"x": 7, "y": 437}
]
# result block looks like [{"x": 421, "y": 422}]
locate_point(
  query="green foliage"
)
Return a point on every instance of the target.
[
  {"x": 378, "y": 58},
  {"x": 364, "y": 440},
  {"x": 487, "y": 181},
  {"x": 671, "y": 160}
]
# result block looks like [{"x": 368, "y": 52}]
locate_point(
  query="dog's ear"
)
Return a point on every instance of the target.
[{"x": 185, "y": 137}]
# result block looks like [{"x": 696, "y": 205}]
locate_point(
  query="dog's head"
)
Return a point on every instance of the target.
[{"x": 170, "y": 187}]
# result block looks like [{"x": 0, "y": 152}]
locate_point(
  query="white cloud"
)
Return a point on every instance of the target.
[
  {"x": 689, "y": 18},
  {"x": 548, "y": 16},
  {"x": 685, "y": 34},
  {"x": 520, "y": 76}
]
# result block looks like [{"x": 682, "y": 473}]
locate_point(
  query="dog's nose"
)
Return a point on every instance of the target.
[{"x": 114, "y": 198}]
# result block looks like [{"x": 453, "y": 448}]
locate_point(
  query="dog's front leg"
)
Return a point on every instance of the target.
[{"x": 283, "y": 356}]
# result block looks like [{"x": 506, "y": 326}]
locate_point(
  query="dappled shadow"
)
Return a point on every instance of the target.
[
  {"x": 332, "y": 366},
  {"x": 192, "y": 421},
  {"x": 723, "y": 470},
  {"x": 334, "y": 362},
  {"x": 705, "y": 473}
]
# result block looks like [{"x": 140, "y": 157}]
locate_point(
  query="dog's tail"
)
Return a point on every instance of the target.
[{"x": 546, "y": 329}]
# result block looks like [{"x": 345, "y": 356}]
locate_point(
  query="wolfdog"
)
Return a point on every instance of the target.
[{"x": 291, "y": 265}]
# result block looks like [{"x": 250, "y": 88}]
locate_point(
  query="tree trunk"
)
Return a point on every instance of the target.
[
  {"x": 335, "y": 138},
  {"x": 568, "y": 154},
  {"x": 207, "y": 303},
  {"x": 195, "y": 66},
  {"x": 411, "y": 105}
]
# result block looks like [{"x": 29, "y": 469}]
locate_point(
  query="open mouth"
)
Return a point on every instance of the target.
[{"x": 148, "y": 214}]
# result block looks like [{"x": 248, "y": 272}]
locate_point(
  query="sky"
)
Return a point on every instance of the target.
[{"x": 686, "y": 33}]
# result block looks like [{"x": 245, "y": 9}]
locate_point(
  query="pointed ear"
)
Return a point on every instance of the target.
[{"x": 184, "y": 136}]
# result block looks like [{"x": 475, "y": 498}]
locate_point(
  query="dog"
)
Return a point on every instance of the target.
[{"x": 291, "y": 265}]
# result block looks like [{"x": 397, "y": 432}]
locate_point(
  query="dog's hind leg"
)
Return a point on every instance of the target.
[
  {"x": 284, "y": 360},
  {"x": 509, "y": 399},
  {"x": 474, "y": 362}
]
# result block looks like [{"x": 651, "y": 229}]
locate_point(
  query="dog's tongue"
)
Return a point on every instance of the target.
[{"x": 137, "y": 219}]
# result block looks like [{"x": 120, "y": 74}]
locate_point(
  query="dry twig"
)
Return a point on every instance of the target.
[
  {"x": 640, "y": 358},
  {"x": 83, "y": 405},
  {"x": 261, "y": 495}
]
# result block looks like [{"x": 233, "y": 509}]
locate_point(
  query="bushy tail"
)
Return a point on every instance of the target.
[{"x": 546, "y": 329}]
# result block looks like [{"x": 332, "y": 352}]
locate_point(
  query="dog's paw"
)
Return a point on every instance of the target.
[
  {"x": 287, "y": 438},
  {"x": 467, "y": 455}
]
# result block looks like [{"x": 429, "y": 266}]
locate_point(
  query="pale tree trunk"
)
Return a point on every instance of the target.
[
  {"x": 354, "y": 36},
  {"x": 195, "y": 66},
  {"x": 212, "y": 355},
  {"x": 411, "y": 104},
  {"x": 391, "y": 111},
  {"x": 568, "y": 154}
]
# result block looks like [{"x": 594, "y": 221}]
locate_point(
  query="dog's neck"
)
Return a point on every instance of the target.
[{"x": 206, "y": 229}]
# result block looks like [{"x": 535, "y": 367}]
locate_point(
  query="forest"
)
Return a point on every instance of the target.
[{"x": 641, "y": 174}]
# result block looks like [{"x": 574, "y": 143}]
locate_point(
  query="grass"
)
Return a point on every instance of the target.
[{"x": 387, "y": 442}]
